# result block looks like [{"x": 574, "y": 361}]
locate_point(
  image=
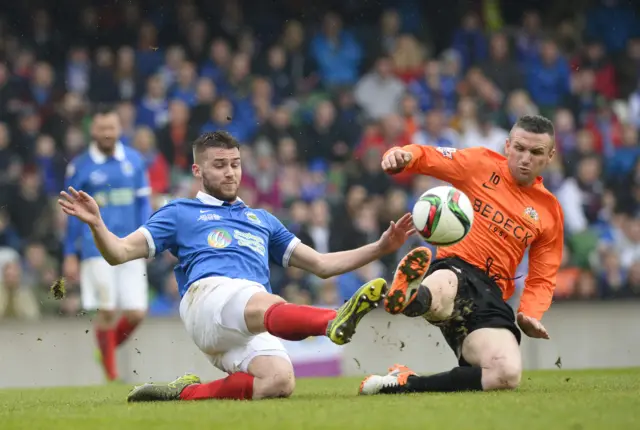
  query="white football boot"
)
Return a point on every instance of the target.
[{"x": 391, "y": 383}]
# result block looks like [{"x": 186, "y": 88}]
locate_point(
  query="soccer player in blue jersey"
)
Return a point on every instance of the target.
[
  {"x": 227, "y": 307},
  {"x": 116, "y": 177}
]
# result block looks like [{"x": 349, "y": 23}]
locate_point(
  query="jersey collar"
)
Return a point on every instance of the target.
[
  {"x": 212, "y": 201},
  {"x": 99, "y": 158}
]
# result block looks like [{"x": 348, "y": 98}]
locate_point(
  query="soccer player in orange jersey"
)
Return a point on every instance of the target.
[{"x": 464, "y": 290}]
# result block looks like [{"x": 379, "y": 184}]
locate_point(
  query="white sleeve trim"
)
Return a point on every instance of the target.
[
  {"x": 143, "y": 192},
  {"x": 289, "y": 251},
  {"x": 152, "y": 245}
]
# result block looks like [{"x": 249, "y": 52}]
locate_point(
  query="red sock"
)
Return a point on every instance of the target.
[
  {"x": 107, "y": 345},
  {"x": 237, "y": 386},
  {"x": 124, "y": 329},
  {"x": 294, "y": 322}
]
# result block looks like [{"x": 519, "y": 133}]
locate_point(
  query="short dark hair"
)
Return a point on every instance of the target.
[
  {"x": 214, "y": 139},
  {"x": 103, "y": 109},
  {"x": 535, "y": 124}
]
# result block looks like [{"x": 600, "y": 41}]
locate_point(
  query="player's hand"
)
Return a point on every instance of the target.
[
  {"x": 71, "y": 268},
  {"x": 532, "y": 327},
  {"x": 80, "y": 205},
  {"x": 396, "y": 160},
  {"x": 396, "y": 235}
]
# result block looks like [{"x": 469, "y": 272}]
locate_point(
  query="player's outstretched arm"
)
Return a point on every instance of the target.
[
  {"x": 114, "y": 249},
  {"x": 545, "y": 258},
  {"x": 446, "y": 164},
  {"x": 336, "y": 263}
]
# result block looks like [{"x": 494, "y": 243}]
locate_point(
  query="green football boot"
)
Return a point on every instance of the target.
[
  {"x": 368, "y": 297},
  {"x": 162, "y": 392}
]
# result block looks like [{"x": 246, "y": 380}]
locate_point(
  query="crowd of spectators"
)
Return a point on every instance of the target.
[{"x": 314, "y": 107}]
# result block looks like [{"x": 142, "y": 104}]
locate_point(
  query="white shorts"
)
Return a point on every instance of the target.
[
  {"x": 106, "y": 287},
  {"x": 212, "y": 311}
]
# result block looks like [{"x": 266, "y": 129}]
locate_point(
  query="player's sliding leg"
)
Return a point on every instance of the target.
[
  {"x": 266, "y": 377},
  {"x": 266, "y": 312},
  {"x": 492, "y": 362},
  {"x": 489, "y": 357},
  {"x": 232, "y": 316},
  {"x": 237, "y": 386},
  {"x": 434, "y": 298}
]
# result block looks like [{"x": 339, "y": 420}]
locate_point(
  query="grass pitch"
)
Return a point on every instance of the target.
[{"x": 567, "y": 400}]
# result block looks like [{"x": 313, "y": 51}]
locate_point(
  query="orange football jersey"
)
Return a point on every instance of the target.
[{"x": 508, "y": 219}]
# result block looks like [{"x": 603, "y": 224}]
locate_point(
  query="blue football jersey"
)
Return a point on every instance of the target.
[
  {"x": 120, "y": 186},
  {"x": 213, "y": 238}
]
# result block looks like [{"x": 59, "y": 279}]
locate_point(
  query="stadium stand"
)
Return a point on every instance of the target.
[{"x": 316, "y": 96}]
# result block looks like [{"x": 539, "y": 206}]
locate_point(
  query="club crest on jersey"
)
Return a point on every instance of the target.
[
  {"x": 219, "y": 238},
  {"x": 531, "y": 213},
  {"x": 101, "y": 199},
  {"x": 253, "y": 218},
  {"x": 446, "y": 152},
  {"x": 127, "y": 168}
]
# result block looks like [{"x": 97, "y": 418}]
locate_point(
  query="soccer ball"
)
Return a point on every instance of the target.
[{"x": 443, "y": 215}]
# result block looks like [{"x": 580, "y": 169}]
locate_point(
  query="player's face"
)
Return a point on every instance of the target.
[
  {"x": 528, "y": 154},
  {"x": 220, "y": 171},
  {"x": 106, "y": 131}
]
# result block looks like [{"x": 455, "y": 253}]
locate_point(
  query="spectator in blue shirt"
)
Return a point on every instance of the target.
[
  {"x": 470, "y": 41},
  {"x": 215, "y": 68},
  {"x": 337, "y": 53},
  {"x": 184, "y": 88},
  {"x": 614, "y": 23},
  {"x": 153, "y": 110},
  {"x": 548, "y": 77},
  {"x": 222, "y": 119},
  {"x": 624, "y": 158}
]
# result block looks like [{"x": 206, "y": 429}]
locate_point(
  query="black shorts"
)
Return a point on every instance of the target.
[{"x": 478, "y": 304}]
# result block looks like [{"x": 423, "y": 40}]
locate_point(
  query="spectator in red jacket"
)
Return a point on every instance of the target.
[
  {"x": 605, "y": 127},
  {"x": 595, "y": 57}
]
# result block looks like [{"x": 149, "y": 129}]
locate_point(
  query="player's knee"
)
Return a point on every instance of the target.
[
  {"x": 135, "y": 317},
  {"x": 507, "y": 374},
  {"x": 280, "y": 384},
  {"x": 284, "y": 384},
  {"x": 443, "y": 286},
  {"x": 105, "y": 318}
]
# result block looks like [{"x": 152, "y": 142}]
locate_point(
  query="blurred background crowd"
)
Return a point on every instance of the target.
[{"x": 316, "y": 92}]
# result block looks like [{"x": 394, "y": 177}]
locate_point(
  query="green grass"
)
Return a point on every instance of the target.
[{"x": 571, "y": 400}]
